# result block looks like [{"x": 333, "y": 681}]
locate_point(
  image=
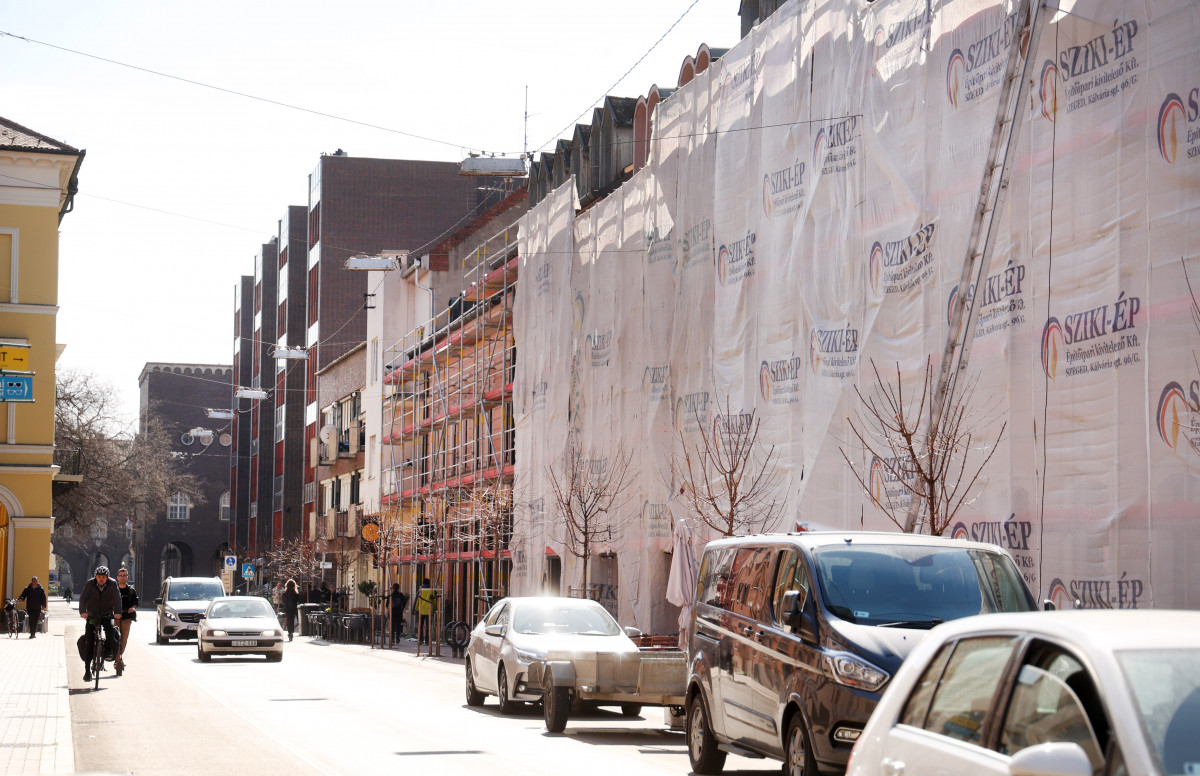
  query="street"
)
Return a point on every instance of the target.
[{"x": 336, "y": 709}]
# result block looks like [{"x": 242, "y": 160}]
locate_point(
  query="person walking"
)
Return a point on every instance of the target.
[
  {"x": 66, "y": 591},
  {"x": 34, "y": 596},
  {"x": 129, "y": 605},
  {"x": 98, "y": 601},
  {"x": 423, "y": 608},
  {"x": 399, "y": 601},
  {"x": 290, "y": 600}
]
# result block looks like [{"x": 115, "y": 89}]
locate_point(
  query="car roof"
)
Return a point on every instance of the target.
[
  {"x": 1099, "y": 630},
  {"x": 815, "y": 539},
  {"x": 192, "y": 580},
  {"x": 240, "y": 598},
  {"x": 549, "y": 599}
]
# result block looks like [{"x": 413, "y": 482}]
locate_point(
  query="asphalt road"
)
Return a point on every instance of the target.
[{"x": 337, "y": 709}]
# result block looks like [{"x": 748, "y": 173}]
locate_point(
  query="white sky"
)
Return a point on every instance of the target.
[{"x": 182, "y": 184}]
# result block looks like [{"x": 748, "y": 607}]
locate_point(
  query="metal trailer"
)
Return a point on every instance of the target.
[{"x": 654, "y": 677}]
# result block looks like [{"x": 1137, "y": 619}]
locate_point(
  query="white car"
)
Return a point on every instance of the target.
[
  {"x": 518, "y": 631},
  {"x": 1072, "y": 693},
  {"x": 239, "y": 625}
]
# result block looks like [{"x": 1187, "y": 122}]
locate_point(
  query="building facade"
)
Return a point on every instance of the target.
[{"x": 40, "y": 180}]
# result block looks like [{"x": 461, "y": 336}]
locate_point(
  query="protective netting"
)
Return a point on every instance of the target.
[{"x": 806, "y": 211}]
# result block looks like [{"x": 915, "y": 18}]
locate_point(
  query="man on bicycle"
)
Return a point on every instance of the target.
[{"x": 98, "y": 602}]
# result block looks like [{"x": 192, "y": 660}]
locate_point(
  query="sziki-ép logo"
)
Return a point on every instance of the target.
[
  {"x": 691, "y": 411},
  {"x": 696, "y": 245},
  {"x": 600, "y": 346},
  {"x": 1001, "y": 305},
  {"x": 1097, "y": 593},
  {"x": 833, "y": 352},
  {"x": 1090, "y": 73},
  {"x": 735, "y": 260},
  {"x": 783, "y": 189},
  {"x": 911, "y": 29},
  {"x": 654, "y": 382},
  {"x": 580, "y": 309},
  {"x": 972, "y": 73},
  {"x": 539, "y": 392},
  {"x": 657, "y": 519},
  {"x": 835, "y": 147},
  {"x": 899, "y": 265},
  {"x": 1092, "y": 340},
  {"x": 1178, "y": 414},
  {"x": 542, "y": 279},
  {"x": 779, "y": 380},
  {"x": 729, "y": 429},
  {"x": 737, "y": 82},
  {"x": 1179, "y": 127},
  {"x": 884, "y": 484}
]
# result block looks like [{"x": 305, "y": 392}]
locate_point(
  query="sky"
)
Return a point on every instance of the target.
[{"x": 183, "y": 183}]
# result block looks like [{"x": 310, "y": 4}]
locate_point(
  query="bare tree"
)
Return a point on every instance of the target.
[
  {"x": 929, "y": 465},
  {"x": 120, "y": 469},
  {"x": 485, "y": 515},
  {"x": 590, "y": 494},
  {"x": 292, "y": 559},
  {"x": 728, "y": 481},
  {"x": 1193, "y": 438}
]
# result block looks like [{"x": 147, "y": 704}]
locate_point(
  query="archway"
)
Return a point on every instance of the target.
[
  {"x": 175, "y": 560},
  {"x": 99, "y": 559},
  {"x": 66, "y": 575}
]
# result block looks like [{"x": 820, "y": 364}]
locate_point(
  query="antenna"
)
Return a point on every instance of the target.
[{"x": 525, "y": 141}]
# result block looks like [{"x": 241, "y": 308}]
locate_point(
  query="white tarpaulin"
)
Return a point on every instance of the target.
[{"x": 806, "y": 211}]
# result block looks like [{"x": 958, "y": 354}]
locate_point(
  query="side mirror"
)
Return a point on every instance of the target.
[
  {"x": 158, "y": 602},
  {"x": 801, "y": 617},
  {"x": 632, "y": 632},
  {"x": 494, "y": 630},
  {"x": 1053, "y": 759},
  {"x": 1048, "y": 605}
]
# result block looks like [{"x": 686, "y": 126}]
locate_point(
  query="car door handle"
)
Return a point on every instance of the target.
[{"x": 891, "y": 767}]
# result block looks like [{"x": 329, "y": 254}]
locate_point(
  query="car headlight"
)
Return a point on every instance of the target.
[
  {"x": 216, "y": 633},
  {"x": 853, "y": 671},
  {"x": 528, "y": 656},
  {"x": 170, "y": 615},
  {"x": 272, "y": 633}
]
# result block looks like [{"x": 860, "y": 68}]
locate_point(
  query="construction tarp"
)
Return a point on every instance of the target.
[{"x": 806, "y": 214}]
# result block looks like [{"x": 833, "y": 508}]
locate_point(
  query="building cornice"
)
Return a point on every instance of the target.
[
  {"x": 29, "y": 309},
  {"x": 17, "y": 468},
  {"x": 25, "y": 449}
]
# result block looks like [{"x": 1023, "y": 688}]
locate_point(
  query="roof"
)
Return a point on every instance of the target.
[
  {"x": 584, "y": 131},
  {"x": 1107, "y": 629},
  {"x": 622, "y": 110},
  {"x": 15, "y": 136}
]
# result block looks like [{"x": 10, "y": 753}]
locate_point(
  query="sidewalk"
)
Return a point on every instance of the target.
[{"x": 35, "y": 710}]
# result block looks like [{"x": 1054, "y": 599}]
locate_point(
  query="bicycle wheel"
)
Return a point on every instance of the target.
[{"x": 97, "y": 662}]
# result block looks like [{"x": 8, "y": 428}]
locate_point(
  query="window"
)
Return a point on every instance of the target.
[
  {"x": 791, "y": 576},
  {"x": 1054, "y": 700},
  {"x": 751, "y": 582},
  {"x": 224, "y": 502},
  {"x": 179, "y": 507},
  {"x": 964, "y": 693}
]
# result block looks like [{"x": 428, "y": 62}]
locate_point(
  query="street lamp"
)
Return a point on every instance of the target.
[
  {"x": 492, "y": 166},
  {"x": 250, "y": 393},
  {"x": 372, "y": 263},
  {"x": 299, "y": 354}
]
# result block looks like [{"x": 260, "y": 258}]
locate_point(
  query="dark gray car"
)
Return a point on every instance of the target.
[{"x": 794, "y": 636}]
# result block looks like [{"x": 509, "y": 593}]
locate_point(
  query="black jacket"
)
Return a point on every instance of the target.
[
  {"x": 129, "y": 600},
  {"x": 97, "y": 601},
  {"x": 34, "y": 598}
]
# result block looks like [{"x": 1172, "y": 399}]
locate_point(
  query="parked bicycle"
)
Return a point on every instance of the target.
[{"x": 14, "y": 618}]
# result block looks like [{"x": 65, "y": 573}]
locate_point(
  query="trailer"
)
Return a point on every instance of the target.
[{"x": 631, "y": 680}]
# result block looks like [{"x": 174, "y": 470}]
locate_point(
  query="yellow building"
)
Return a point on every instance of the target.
[{"x": 38, "y": 180}]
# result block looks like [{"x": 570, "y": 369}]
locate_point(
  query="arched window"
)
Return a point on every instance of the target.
[
  {"x": 225, "y": 506},
  {"x": 179, "y": 507}
]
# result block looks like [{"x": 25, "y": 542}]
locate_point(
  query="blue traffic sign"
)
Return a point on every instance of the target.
[
  {"x": 16, "y": 388},
  {"x": 247, "y": 570},
  {"x": 231, "y": 562}
]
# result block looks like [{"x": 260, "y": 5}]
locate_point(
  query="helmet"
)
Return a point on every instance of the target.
[{"x": 101, "y": 570}]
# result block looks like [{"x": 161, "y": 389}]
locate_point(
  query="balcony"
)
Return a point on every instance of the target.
[{"x": 70, "y": 465}]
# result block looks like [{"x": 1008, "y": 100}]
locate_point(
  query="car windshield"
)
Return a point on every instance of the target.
[
  {"x": 917, "y": 587},
  {"x": 195, "y": 591},
  {"x": 585, "y": 617},
  {"x": 1166, "y": 685},
  {"x": 250, "y": 607}
]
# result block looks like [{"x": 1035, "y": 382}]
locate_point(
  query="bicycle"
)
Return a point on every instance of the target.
[
  {"x": 99, "y": 637},
  {"x": 14, "y": 619}
]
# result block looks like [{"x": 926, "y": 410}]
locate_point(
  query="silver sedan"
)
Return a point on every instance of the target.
[
  {"x": 519, "y": 631},
  {"x": 239, "y": 625}
]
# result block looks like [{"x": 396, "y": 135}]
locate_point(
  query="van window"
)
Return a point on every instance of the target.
[
  {"x": 917, "y": 587},
  {"x": 713, "y": 580},
  {"x": 751, "y": 582},
  {"x": 792, "y": 576}
]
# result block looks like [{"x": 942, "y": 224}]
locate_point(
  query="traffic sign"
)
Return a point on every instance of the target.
[
  {"x": 247, "y": 571},
  {"x": 231, "y": 562},
  {"x": 326, "y": 564},
  {"x": 14, "y": 357},
  {"x": 16, "y": 388}
]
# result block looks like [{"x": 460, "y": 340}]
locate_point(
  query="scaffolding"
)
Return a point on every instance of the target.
[{"x": 449, "y": 441}]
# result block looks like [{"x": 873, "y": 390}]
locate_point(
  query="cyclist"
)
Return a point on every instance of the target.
[
  {"x": 129, "y": 605},
  {"x": 98, "y": 601}
]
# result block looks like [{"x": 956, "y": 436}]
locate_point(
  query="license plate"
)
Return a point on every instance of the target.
[{"x": 244, "y": 643}]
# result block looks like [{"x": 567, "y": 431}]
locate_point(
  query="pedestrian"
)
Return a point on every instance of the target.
[
  {"x": 129, "y": 605},
  {"x": 34, "y": 597},
  {"x": 423, "y": 607},
  {"x": 98, "y": 601},
  {"x": 277, "y": 595},
  {"x": 66, "y": 591},
  {"x": 290, "y": 598},
  {"x": 324, "y": 595},
  {"x": 399, "y": 601}
]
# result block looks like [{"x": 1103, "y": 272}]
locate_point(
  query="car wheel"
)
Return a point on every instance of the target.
[
  {"x": 631, "y": 709},
  {"x": 556, "y": 707},
  {"x": 161, "y": 639},
  {"x": 204, "y": 656},
  {"x": 274, "y": 657},
  {"x": 474, "y": 696},
  {"x": 507, "y": 706},
  {"x": 797, "y": 761},
  {"x": 703, "y": 753}
]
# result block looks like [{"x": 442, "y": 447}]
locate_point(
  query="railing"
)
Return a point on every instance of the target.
[
  {"x": 342, "y": 523},
  {"x": 69, "y": 462}
]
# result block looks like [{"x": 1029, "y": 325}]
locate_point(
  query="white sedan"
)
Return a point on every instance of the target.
[
  {"x": 519, "y": 631},
  {"x": 1072, "y": 693},
  {"x": 239, "y": 625}
]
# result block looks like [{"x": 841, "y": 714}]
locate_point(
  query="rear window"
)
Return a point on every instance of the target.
[
  {"x": 195, "y": 591},
  {"x": 917, "y": 587}
]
